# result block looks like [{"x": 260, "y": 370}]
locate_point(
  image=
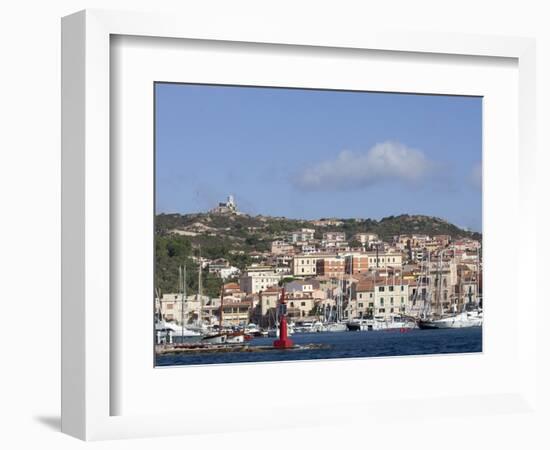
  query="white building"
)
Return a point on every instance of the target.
[
  {"x": 304, "y": 265},
  {"x": 302, "y": 236},
  {"x": 228, "y": 207},
  {"x": 386, "y": 297},
  {"x": 258, "y": 278}
]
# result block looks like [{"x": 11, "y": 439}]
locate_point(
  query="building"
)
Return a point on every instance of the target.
[
  {"x": 233, "y": 290},
  {"x": 228, "y": 207},
  {"x": 300, "y": 304},
  {"x": 386, "y": 297},
  {"x": 365, "y": 238},
  {"x": 442, "y": 239},
  {"x": 258, "y": 278},
  {"x": 281, "y": 248},
  {"x": 222, "y": 268},
  {"x": 265, "y": 310},
  {"x": 357, "y": 263},
  {"x": 406, "y": 241},
  {"x": 335, "y": 239},
  {"x": 236, "y": 312},
  {"x": 327, "y": 223},
  {"x": 304, "y": 265},
  {"x": 301, "y": 286},
  {"x": 442, "y": 280},
  {"x": 170, "y": 307},
  {"x": 331, "y": 266},
  {"x": 304, "y": 235}
]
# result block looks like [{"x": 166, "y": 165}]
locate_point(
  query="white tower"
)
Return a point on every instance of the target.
[{"x": 231, "y": 202}]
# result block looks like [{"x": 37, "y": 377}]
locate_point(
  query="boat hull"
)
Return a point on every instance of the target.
[
  {"x": 463, "y": 320},
  {"x": 336, "y": 327}
]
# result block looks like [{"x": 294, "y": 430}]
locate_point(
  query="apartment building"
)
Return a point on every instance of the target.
[
  {"x": 303, "y": 235},
  {"x": 258, "y": 278},
  {"x": 358, "y": 263},
  {"x": 304, "y": 265},
  {"x": 384, "y": 298},
  {"x": 331, "y": 266}
]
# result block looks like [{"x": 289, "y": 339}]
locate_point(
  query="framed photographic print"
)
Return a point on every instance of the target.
[
  {"x": 278, "y": 218},
  {"x": 333, "y": 225}
]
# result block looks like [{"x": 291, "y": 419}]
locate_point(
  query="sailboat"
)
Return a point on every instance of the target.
[
  {"x": 182, "y": 288},
  {"x": 224, "y": 337},
  {"x": 338, "y": 325},
  {"x": 198, "y": 325}
]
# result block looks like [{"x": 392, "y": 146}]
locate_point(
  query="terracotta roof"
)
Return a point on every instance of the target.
[
  {"x": 243, "y": 303},
  {"x": 368, "y": 284},
  {"x": 272, "y": 289}
]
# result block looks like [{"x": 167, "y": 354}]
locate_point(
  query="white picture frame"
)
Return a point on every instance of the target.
[{"x": 88, "y": 386}]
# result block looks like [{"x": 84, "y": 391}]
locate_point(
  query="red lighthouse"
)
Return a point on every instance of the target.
[{"x": 284, "y": 341}]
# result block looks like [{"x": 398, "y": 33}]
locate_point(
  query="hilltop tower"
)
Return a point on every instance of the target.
[{"x": 228, "y": 207}]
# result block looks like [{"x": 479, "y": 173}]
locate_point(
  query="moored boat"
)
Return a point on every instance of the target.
[{"x": 465, "y": 319}]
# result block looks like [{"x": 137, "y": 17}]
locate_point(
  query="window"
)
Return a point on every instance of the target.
[
  {"x": 370, "y": 295},
  {"x": 303, "y": 303},
  {"x": 371, "y": 305},
  {"x": 391, "y": 288},
  {"x": 381, "y": 310},
  {"x": 360, "y": 305},
  {"x": 381, "y": 289},
  {"x": 391, "y": 310},
  {"x": 402, "y": 288},
  {"x": 402, "y": 299},
  {"x": 381, "y": 302},
  {"x": 391, "y": 301}
]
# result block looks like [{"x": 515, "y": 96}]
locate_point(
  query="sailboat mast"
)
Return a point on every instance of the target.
[
  {"x": 478, "y": 276},
  {"x": 373, "y": 294},
  {"x": 180, "y": 289},
  {"x": 200, "y": 288},
  {"x": 184, "y": 298},
  {"x": 440, "y": 284},
  {"x": 221, "y": 309}
]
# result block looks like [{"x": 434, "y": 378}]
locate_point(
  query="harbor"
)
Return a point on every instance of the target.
[
  {"x": 311, "y": 298},
  {"x": 359, "y": 344}
]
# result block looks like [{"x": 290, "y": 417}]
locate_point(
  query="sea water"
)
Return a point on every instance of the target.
[{"x": 346, "y": 344}]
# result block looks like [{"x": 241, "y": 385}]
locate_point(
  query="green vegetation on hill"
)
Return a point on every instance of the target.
[
  {"x": 172, "y": 251},
  {"x": 234, "y": 237}
]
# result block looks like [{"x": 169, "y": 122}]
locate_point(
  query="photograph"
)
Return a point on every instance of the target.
[{"x": 310, "y": 224}]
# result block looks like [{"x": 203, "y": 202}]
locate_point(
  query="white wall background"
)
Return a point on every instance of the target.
[{"x": 30, "y": 195}]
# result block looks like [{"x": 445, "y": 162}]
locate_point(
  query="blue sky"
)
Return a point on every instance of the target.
[{"x": 312, "y": 153}]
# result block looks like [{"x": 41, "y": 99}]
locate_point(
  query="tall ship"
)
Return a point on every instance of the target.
[{"x": 467, "y": 315}]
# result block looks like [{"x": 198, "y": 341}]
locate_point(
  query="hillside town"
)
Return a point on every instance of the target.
[{"x": 333, "y": 278}]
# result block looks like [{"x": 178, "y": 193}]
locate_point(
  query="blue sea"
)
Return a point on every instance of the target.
[{"x": 347, "y": 344}]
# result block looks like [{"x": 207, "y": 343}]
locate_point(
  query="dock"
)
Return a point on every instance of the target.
[{"x": 228, "y": 348}]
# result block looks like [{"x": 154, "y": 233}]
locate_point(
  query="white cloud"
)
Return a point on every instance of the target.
[
  {"x": 350, "y": 170},
  {"x": 476, "y": 176}
]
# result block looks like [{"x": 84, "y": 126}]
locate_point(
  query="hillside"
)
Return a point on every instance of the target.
[
  {"x": 256, "y": 232},
  {"x": 234, "y": 237}
]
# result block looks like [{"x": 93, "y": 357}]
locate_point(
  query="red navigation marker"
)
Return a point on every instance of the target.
[{"x": 284, "y": 341}]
